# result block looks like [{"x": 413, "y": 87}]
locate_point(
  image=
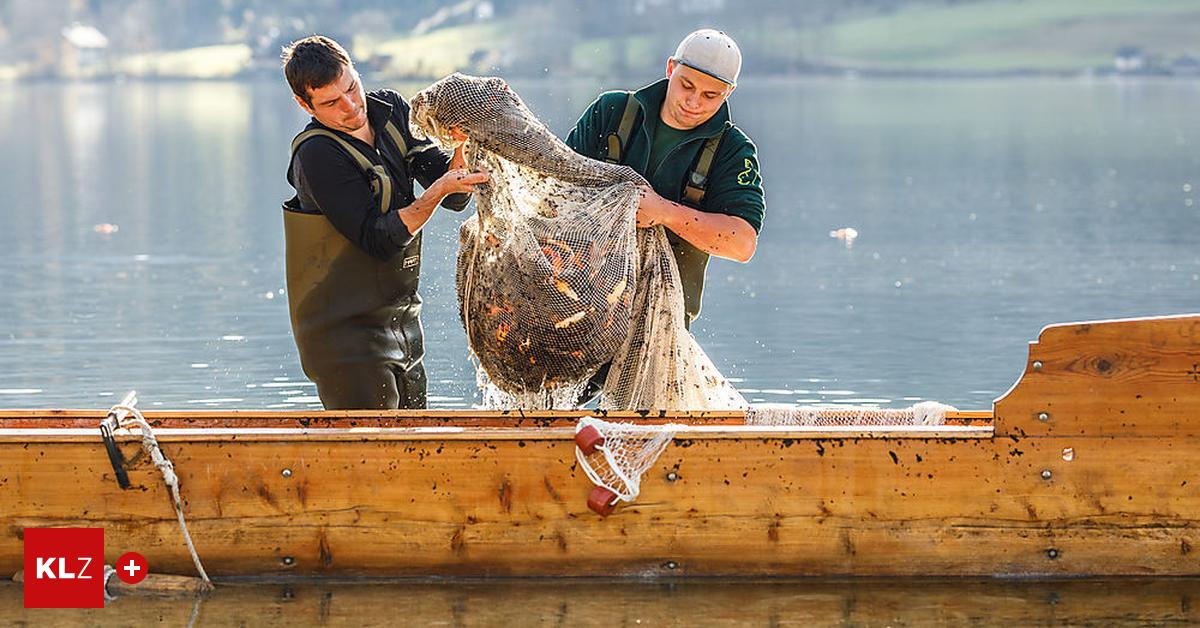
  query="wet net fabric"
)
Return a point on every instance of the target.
[
  {"x": 554, "y": 279},
  {"x": 628, "y": 451},
  {"x": 924, "y": 413}
]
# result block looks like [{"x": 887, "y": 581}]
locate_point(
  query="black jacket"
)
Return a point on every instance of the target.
[{"x": 329, "y": 182}]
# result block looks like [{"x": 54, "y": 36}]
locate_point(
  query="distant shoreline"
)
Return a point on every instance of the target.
[{"x": 822, "y": 72}]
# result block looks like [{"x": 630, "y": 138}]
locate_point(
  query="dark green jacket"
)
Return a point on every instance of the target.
[{"x": 734, "y": 183}]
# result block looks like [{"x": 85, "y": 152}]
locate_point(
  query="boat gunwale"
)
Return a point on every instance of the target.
[
  {"x": 395, "y": 419},
  {"x": 69, "y": 413},
  {"x": 483, "y": 434}
]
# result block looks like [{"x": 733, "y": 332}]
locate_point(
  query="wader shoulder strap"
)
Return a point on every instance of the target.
[
  {"x": 406, "y": 151},
  {"x": 697, "y": 181},
  {"x": 381, "y": 183},
  {"x": 618, "y": 140},
  {"x": 397, "y": 138}
]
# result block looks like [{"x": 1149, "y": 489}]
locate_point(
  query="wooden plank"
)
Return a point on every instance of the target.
[
  {"x": 1135, "y": 377},
  {"x": 750, "y": 506}
]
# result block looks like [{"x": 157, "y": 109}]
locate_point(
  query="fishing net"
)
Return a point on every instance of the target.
[
  {"x": 620, "y": 456},
  {"x": 924, "y": 413},
  {"x": 616, "y": 455},
  {"x": 554, "y": 280}
]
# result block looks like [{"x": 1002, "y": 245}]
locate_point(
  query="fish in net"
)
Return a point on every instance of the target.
[{"x": 554, "y": 279}]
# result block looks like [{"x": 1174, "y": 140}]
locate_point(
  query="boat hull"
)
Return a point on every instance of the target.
[{"x": 1105, "y": 485}]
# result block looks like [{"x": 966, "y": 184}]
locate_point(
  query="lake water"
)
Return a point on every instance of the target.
[
  {"x": 567, "y": 602},
  {"x": 801, "y": 603},
  {"x": 985, "y": 210}
]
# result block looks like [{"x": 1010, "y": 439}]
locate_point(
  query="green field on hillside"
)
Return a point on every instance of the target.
[{"x": 1012, "y": 35}]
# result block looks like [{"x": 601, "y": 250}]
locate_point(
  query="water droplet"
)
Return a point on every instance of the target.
[{"x": 1187, "y": 187}]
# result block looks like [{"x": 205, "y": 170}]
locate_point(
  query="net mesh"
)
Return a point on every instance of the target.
[
  {"x": 924, "y": 413},
  {"x": 554, "y": 279},
  {"x": 628, "y": 451}
]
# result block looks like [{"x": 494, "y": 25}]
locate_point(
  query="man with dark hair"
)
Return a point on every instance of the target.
[{"x": 353, "y": 232}]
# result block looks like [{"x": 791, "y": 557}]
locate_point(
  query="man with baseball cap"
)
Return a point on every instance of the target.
[{"x": 703, "y": 171}]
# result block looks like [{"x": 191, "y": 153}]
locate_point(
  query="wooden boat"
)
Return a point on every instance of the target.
[{"x": 1087, "y": 466}]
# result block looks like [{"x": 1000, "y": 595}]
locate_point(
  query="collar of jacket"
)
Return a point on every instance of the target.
[{"x": 651, "y": 98}]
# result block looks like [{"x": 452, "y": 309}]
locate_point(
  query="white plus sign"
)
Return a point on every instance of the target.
[{"x": 132, "y": 568}]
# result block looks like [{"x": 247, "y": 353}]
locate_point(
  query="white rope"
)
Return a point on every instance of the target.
[
  {"x": 108, "y": 574},
  {"x": 150, "y": 444}
]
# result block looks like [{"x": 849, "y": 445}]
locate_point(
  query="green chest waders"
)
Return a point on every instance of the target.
[
  {"x": 356, "y": 319},
  {"x": 692, "y": 262}
]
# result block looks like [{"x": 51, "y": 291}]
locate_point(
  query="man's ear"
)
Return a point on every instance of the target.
[
  {"x": 671, "y": 65},
  {"x": 303, "y": 105}
]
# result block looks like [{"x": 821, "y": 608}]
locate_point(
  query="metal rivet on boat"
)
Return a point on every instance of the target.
[
  {"x": 671, "y": 564},
  {"x": 1043, "y": 416},
  {"x": 1037, "y": 365},
  {"x": 287, "y": 473},
  {"x": 672, "y": 476},
  {"x": 1052, "y": 553},
  {"x": 1046, "y": 474},
  {"x": 288, "y": 561}
]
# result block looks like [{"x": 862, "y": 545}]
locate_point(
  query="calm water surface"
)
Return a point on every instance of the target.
[
  {"x": 861, "y": 603},
  {"x": 985, "y": 209}
]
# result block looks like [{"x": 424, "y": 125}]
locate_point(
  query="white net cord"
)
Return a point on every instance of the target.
[
  {"x": 616, "y": 455},
  {"x": 924, "y": 413}
]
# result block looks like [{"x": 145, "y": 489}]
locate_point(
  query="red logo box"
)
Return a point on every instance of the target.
[{"x": 64, "y": 567}]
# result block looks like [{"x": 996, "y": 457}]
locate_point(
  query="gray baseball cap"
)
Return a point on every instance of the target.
[{"x": 711, "y": 52}]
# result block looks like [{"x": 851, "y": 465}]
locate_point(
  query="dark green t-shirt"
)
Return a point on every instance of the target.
[{"x": 666, "y": 138}]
